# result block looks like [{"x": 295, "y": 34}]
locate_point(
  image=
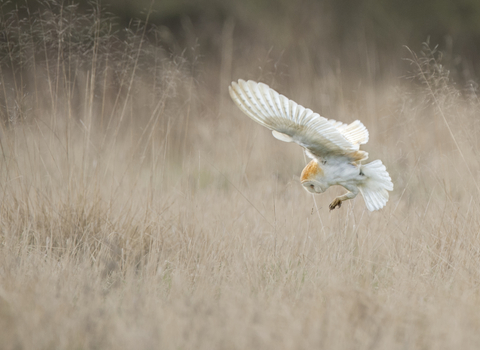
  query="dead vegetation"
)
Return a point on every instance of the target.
[{"x": 140, "y": 211}]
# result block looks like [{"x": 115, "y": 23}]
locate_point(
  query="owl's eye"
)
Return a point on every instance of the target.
[{"x": 312, "y": 186}]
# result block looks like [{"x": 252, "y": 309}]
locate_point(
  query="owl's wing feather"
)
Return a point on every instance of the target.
[
  {"x": 355, "y": 132},
  {"x": 290, "y": 121}
]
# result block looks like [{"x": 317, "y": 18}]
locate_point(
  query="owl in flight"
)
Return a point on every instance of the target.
[{"x": 333, "y": 146}]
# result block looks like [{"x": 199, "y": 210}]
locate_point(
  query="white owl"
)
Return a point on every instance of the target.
[{"x": 333, "y": 146}]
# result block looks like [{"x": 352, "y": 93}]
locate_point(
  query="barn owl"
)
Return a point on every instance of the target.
[{"x": 333, "y": 146}]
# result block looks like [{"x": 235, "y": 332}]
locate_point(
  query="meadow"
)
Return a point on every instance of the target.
[{"x": 141, "y": 209}]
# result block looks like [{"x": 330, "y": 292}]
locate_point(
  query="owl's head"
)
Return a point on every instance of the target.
[{"x": 312, "y": 176}]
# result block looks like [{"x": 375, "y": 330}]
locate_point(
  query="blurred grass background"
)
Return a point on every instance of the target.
[
  {"x": 363, "y": 37},
  {"x": 141, "y": 209}
]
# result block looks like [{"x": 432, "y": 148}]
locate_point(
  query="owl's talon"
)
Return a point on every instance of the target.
[{"x": 336, "y": 203}]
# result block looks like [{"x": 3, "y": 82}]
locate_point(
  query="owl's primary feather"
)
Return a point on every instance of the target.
[{"x": 334, "y": 146}]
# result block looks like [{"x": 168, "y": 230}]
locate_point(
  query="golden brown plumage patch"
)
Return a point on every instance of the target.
[
  {"x": 311, "y": 171},
  {"x": 358, "y": 156}
]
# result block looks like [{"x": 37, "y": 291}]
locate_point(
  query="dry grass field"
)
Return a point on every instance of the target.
[{"x": 140, "y": 210}]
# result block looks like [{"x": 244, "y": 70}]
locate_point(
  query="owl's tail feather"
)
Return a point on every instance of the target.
[{"x": 376, "y": 186}]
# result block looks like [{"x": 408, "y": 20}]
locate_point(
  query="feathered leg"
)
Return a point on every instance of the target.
[{"x": 337, "y": 202}]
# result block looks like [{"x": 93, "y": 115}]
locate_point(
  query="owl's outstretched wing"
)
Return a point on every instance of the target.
[{"x": 290, "y": 122}]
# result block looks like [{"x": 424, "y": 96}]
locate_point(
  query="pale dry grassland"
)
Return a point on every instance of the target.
[{"x": 138, "y": 211}]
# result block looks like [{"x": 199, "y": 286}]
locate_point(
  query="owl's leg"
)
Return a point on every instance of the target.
[{"x": 337, "y": 202}]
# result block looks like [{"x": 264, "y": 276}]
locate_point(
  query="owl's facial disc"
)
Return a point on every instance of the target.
[{"x": 313, "y": 186}]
